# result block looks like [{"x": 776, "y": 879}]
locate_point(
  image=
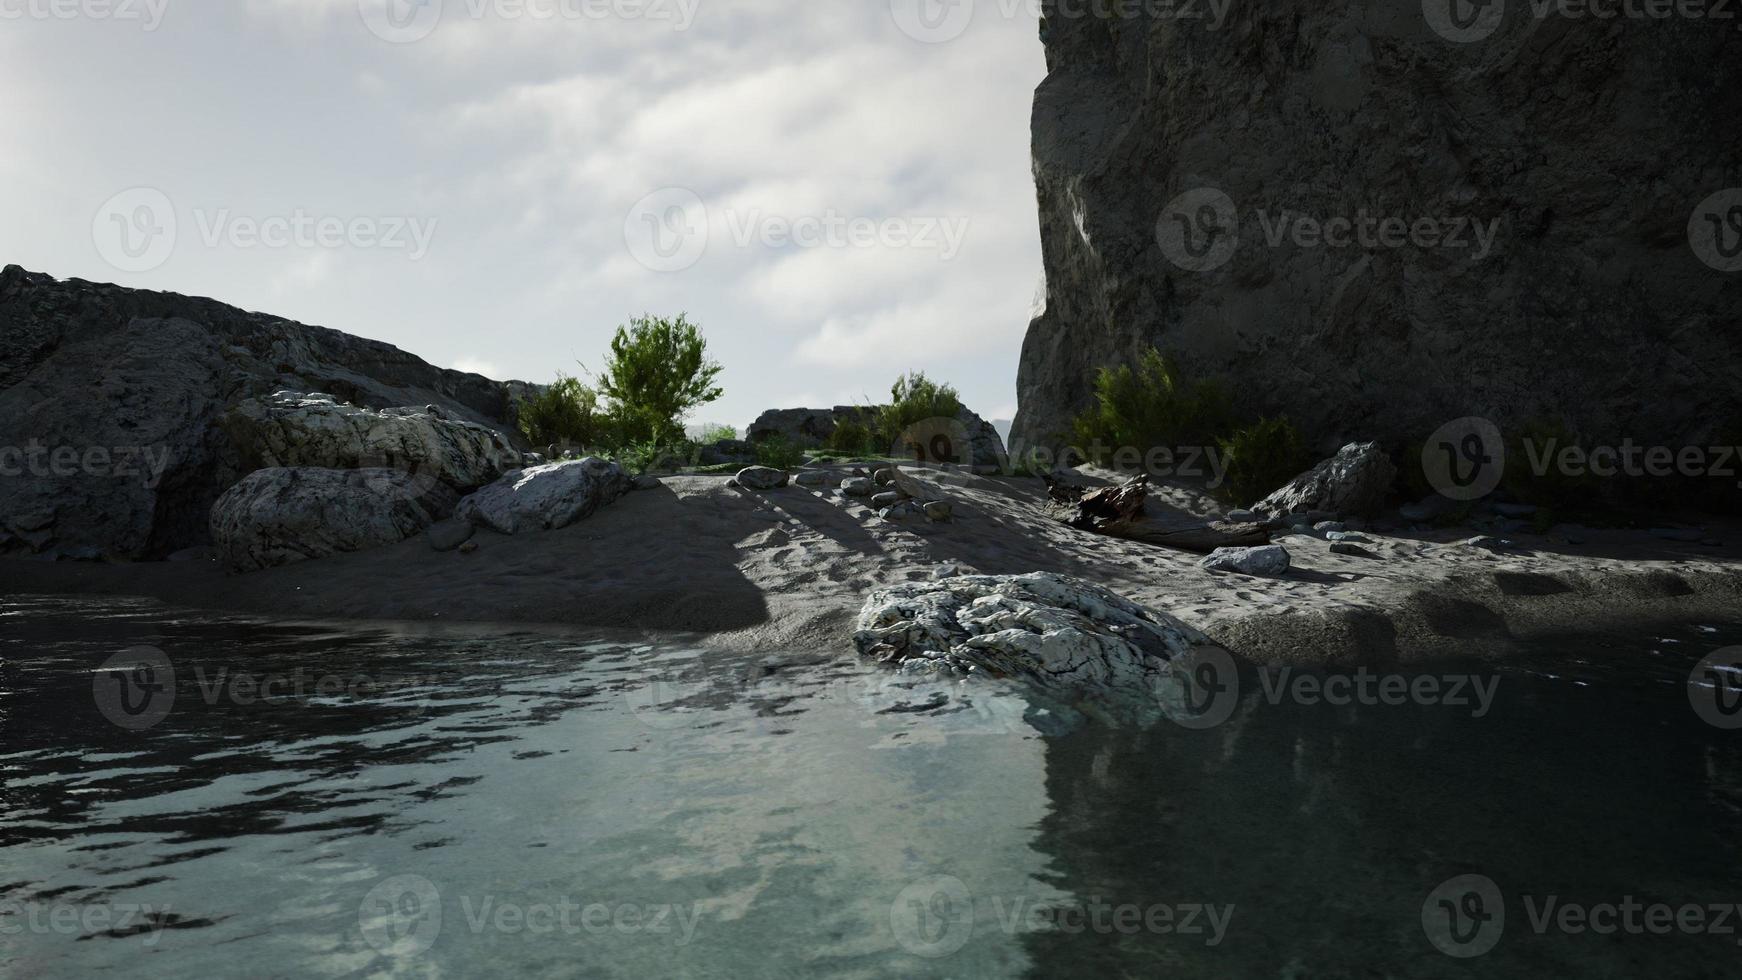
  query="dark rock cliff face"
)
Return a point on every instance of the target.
[
  {"x": 111, "y": 401},
  {"x": 1175, "y": 159}
]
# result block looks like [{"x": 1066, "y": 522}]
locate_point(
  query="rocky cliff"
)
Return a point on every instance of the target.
[
  {"x": 113, "y": 403},
  {"x": 1378, "y": 217}
]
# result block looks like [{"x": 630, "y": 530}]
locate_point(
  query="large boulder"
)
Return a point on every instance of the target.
[
  {"x": 282, "y": 515},
  {"x": 964, "y": 439},
  {"x": 289, "y": 428},
  {"x": 1532, "y": 201},
  {"x": 544, "y": 498},
  {"x": 112, "y": 403},
  {"x": 1062, "y": 636},
  {"x": 1356, "y": 481}
]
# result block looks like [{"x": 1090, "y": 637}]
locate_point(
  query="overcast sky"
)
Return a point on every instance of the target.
[{"x": 496, "y": 184}]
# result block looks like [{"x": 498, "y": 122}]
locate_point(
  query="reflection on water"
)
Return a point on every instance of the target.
[{"x": 296, "y": 799}]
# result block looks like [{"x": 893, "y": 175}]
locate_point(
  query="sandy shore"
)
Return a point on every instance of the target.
[{"x": 789, "y": 569}]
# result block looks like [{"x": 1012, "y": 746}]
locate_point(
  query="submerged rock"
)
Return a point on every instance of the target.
[
  {"x": 282, "y": 515},
  {"x": 1058, "y": 634},
  {"x": 1269, "y": 560},
  {"x": 546, "y": 497},
  {"x": 1355, "y": 481}
]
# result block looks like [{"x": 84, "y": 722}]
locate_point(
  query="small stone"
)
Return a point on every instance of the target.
[
  {"x": 1268, "y": 560},
  {"x": 468, "y": 547},
  {"x": 889, "y": 499},
  {"x": 1243, "y": 517},
  {"x": 449, "y": 534},
  {"x": 1352, "y": 550},
  {"x": 884, "y": 477},
  {"x": 1329, "y": 526},
  {"x": 858, "y": 486},
  {"x": 811, "y": 478},
  {"x": 943, "y": 570},
  {"x": 646, "y": 482},
  {"x": 761, "y": 478},
  {"x": 903, "y": 511},
  {"x": 1343, "y": 536},
  {"x": 938, "y": 510}
]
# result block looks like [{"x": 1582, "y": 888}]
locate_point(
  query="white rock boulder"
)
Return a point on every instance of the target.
[
  {"x": 1356, "y": 481},
  {"x": 282, "y": 515},
  {"x": 544, "y": 498}
]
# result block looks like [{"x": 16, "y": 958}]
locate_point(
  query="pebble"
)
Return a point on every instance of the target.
[{"x": 468, "y": 547}]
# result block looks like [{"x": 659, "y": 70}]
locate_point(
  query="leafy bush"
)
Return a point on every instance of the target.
[
  {"x": 778, "y": 452},
  {"x": 565, "y": 413},
  {"x": 716, "y": 433},
  {"x": 657, "y": 372},
  {"x": 851, "y": 437},
  {"x": 1261, "y": 458},
  {"x": 915, "y": 398},
  {"x": 1151, "y": 408}
]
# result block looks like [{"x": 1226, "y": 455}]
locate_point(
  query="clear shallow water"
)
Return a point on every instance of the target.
[{"x": 466, "y": 803}]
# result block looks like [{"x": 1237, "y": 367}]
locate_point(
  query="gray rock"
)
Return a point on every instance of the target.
[
  {"x": 1352, "y": 550},
  {"x": 939, "y": 510},
  {"x": 1343, "y": 536},
  {"x": 149, "y": 377},
  {"x": 1061, "y": 636},
  {"x": 294, "y": 429},
  {"x": 906, "y": 510},
  {"x": 1392, "y": 342},
  {"x": 858, "y": 486},
  {"x": 883, "y": 477},
  {"x": 646, "y": 481},
  {"x": 546, "y": 497},
  {"x": 889, "y": 499},
  {"x": 812, "y": 478},
  {"x": 449, "y": 534},
  {"x": 1267, "y": 560},
  {"x": 761, "y": 478},
  {"x": 1355, "y": 481},
  {"x": 1243, "y": 517},
  {"x": 278, "y": 516},
  {"x": 1326, "y": 527},
  {"x": 727, "y": 452},
  {"x": 965, "y": 439}
]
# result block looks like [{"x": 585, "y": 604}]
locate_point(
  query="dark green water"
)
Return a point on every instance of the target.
[{"x": 473, "y": 803}]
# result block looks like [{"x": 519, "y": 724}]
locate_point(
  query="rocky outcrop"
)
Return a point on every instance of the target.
[
  {"x": 1170, "y": 152},
  {"x": 282, "y": 515},
  {"x": 1355, "y": 482},
  {"x": 964, "y": 439},
  {"x": 544, "y": 498},
  {"x": 112, "y": 402},
  {"x": 1061, "y": 636},
  {"x": 290, "y": 428}
]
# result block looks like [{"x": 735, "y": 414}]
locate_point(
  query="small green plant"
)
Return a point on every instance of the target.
[
  {"x": 779, "y": 453},
  {"x": 913, "y": 399},
  {"x": 1260, "y": 458},
  {"x": 565, "y": 413},
  {"x": 717, "y": 433},
  {"x": 1150, "y": 408},
  {"x": 657, "y": 372}
]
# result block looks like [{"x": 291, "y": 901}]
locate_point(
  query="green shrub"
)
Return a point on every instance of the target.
[
  {"x": 851, "y": 437},
  {"x": 716, "y": 433},
  {"x": 778, "y": 452},
  {"x": 914, "y": 398},
  {"x": 657, "y": 372},
  {"x": 1151, "y": 408},
  {"x": 565, "y": 413},
  {"x": 1261, "y": 458}
]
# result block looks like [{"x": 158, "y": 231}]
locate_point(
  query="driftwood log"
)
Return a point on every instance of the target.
[{"x": 1123, "y": 512}]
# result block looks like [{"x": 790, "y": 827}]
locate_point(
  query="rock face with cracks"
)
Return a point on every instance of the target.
[
  {"x": 282, "y": 515},
  {"x": 1072, "y": 640},
  {"x": 545, "y": 498}
]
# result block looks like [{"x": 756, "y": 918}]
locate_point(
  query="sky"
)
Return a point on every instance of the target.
[{"x": 838, "y": 191}]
